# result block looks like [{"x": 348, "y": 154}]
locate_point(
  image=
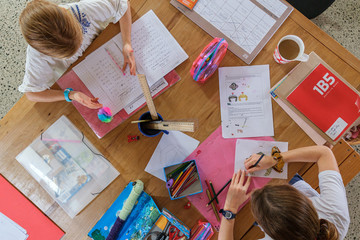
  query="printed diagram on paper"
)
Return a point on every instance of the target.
[
  {"x": 245, "y": 102},
  {"x": 242, "y": 21}
]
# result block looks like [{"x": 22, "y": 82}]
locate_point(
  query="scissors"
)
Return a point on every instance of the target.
[
  {"x": 159, "y": 235},
  {"x": 175, "y": 233}
]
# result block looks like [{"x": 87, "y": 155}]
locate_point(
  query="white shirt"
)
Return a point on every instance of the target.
[
  {"x": 331, "y": 204},
  {"x": 42, "y": 71}
]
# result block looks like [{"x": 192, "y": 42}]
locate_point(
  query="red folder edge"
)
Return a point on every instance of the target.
[
  {"x": 21, "y": 210},
  {"x": 71, "y": 80}
]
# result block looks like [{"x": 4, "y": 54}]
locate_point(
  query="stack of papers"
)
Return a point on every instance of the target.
[
  {"x": 10, "y": 230},
  {"x": 156, "y": 54}
]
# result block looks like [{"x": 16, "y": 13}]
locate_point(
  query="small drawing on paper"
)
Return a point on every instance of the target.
[{"x": 245, "y": 148}]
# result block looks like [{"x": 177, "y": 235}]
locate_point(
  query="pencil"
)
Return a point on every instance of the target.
[
  {"x": 212, "y": 194},
  {"x": 185, "y": 176},
  {"x": 112, "y": 58},
  {"x": 257, "y": 162},
  {"x": 187, "y": 186},
  {"x": 219, "y": 192},
  {"x": 213, "y": 205},
  {"x": 213, "y": 190},
  {"x": 181, "y": 176},
  {"x": 179, "y": 169}
]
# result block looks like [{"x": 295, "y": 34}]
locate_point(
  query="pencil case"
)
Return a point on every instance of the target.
[
  {"x": 209, "y": 60},
  {"x": 183, "y": 179}
]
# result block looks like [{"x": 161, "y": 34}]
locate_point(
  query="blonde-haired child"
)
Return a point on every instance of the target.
[{"x": 59, "y": 34}]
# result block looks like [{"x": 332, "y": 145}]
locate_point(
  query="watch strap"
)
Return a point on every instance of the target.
[{"x": 227, "y": 214}]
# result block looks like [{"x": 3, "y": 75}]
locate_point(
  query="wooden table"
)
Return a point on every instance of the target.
[{"x": 186, "y": 99}]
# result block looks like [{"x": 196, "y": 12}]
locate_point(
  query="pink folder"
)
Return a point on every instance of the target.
[
  {"x": 18, "y": 208},
  {"x": 215, "y": 159},
  {"x": 71, "y": 80}
]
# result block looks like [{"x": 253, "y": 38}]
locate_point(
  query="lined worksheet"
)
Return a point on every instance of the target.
[{"x": 156, "y": 53}]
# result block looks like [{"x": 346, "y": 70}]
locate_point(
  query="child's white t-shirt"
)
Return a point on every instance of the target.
[
  {"x": 42, "y": 71},
  {"x": 331, "y": 204}
]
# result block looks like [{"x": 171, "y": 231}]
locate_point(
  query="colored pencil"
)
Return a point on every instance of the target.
[
  {"x": 212, "y": 195},
  {"x": 182, "y": 174},
  {"x": 177, "y": 170},
  {"x": 219, "y": 192},
  {"x": 213, "y": 205},
  {"x": 213, "y": 190},
  {"x": 112, "y": 58},
  {"x": 187, "y": 186},
  {"x": 190, "y": 178},
  {"x": 183, "y": 179}
]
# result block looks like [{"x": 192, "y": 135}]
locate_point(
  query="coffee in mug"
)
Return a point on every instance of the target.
[{"x": 290, "y": 48}]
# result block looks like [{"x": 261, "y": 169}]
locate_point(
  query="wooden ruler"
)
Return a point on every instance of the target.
[
  {"x": 171, "y": 125},
  {"x": 149, "y": 101}
]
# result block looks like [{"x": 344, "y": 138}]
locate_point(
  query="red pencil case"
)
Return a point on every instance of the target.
[{"x": 209, "y": 60}]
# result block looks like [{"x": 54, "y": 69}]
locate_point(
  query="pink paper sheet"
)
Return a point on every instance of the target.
[
  {"x": 71, "y": 80},
  {"x": 215, "y": 159}
]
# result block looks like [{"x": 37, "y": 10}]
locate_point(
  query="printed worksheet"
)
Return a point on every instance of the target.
[
  {"x": 242, "y": 21},
  {"x": 245, "y": 102},
  {"x": 245, "y": 148},
  {"x": 156, "y": 53}
]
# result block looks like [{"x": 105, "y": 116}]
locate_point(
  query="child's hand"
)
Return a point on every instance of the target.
[
  {"x": 85, "y": 100},
  {"x": 129, "y": 58},
  {"x": 265, "y": 163},
  {"x": 237, "y": 191}
]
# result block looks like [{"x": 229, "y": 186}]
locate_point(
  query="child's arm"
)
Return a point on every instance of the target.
[
  {"x": 237, "y": 195},
  {"x": 51, "y": 95},
  {"x": 322, "y": 155},
  {"x": 125, "y": 27}
]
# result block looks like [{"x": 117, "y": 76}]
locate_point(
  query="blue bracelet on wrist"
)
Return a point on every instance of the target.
[{"x": 66, "y": 94}]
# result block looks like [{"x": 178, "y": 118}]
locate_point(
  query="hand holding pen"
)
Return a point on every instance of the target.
[{"x": 258, "y": 162}]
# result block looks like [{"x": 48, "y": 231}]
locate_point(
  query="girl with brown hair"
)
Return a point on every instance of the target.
[
  {"x": 296, "y": 211},
  {"x": 58, "y": 36}
]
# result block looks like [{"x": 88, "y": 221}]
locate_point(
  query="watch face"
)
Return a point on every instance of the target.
[{"x": 228, "y": 215}]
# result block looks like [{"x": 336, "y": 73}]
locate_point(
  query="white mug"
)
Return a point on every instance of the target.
[{"x": 290, "y": 48}]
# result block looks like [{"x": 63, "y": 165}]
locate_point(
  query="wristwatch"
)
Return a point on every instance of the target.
[
  {"x": 276, "y": 155},
  {"x": 66, "y": 94},
  {"x": 227, "y": 214}
]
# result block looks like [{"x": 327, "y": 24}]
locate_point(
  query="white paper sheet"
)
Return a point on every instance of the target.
[
  {"x": 242, "y": 21},
  {"x": 245, "y": 101},
  {"x": 155, "y": 49},
  {"x": 10, "y": 230},
  {"x": 274, "y": 6},
  {"x": 156, "y": 53},
  {"x": 172, "y": 149},
  {"x": 245, "y": 148}
]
